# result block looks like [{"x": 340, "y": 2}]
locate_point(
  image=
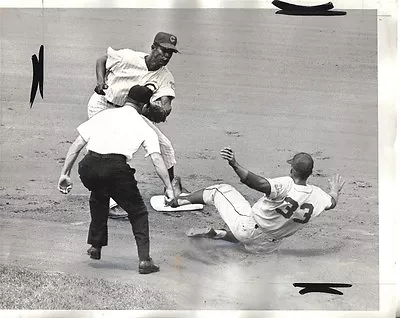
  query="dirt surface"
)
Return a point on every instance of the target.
[{"x": 267, "y": 85}]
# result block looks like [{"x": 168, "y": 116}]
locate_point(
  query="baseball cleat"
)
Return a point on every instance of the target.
[
  {"x": 117, "y": 213},
  {"x": 207, "y": 232}
]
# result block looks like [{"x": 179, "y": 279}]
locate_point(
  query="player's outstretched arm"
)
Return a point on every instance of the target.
[
  {"x": 336, "y": 184},
  {"x": 247, "y": 177},
  {"x": 162, "y": 173},
  {"x": 101, "y": 75},
  {"x": 64, "y": 183}
]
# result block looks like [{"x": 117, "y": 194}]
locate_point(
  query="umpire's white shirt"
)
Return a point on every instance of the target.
[{"x": 119, "y": 131}]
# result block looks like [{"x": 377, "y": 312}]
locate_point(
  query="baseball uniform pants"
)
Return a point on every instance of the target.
[
  {"x": 236, "y": 212},
  {"x": 98, "y": 103},
  {"x": 110, "y": 176}
]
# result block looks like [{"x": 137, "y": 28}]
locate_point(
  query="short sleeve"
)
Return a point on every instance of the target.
[
  {"x": 167, "y": 87},
  {"x": 325, "y": 198},
  {"x": 85, "y": 130},
  {"x": 280, "y": 187},
  {"x": 151, "y": 143},
  {"x": 113, "y": 57}
]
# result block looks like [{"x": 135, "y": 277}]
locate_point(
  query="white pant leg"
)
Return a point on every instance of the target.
[
  {"x": 234, "y": 209},
  {"x": 96, "y": 104},
  {"x": 167, "y": 151}
]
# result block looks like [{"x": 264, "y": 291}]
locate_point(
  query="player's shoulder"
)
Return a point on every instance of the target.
[
  {"x": 280, "y": 186},
  {"x": 125, "y": 52},
  {"x": 317, "y": 190},
  {"x": 165, "y": 72},
  {"x": 282, "y": 180}
]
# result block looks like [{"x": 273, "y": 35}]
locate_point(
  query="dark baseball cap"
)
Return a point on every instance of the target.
[
  {"x": 140, "y": 94},
  {"x": 302, "y": 162},
  {"x": 166, "y": 40}
]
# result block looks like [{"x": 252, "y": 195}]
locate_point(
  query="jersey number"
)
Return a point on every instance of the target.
[{"x": 292, "y": 206}]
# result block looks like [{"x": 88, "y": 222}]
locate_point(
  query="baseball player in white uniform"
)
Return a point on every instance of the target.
[
  {"x": 288, "y": 204},
  {"x": 119, "y": 70}
]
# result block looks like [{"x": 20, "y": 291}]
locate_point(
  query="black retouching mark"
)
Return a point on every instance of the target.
[
  {"x": 316, "y": 10},
  {"x": 321, "y": 288},
  {"x": 38, "y": 72}
]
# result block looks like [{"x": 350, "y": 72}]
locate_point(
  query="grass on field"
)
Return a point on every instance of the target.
[{"x": 25, "y": 289}]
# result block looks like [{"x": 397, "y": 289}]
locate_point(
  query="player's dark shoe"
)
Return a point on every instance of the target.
[
  {"x": 94, "y": 252},
  {"x": 148, "y": 267}
]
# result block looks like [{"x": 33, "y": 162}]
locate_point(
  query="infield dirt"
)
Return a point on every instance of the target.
[{"x": 266, "y": 85}]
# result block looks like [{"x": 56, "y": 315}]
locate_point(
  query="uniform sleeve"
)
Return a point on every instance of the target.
[
  {"x": 85, "y": 130},
  {"x": 166, "y": 88},
  {"x": 280, "y": 187},
  {"x": 88, "y": 127},
  {"x": 113, "y": 57},
  {"x": 326, "y": 199},
  {"x": 151, "y": 143}
]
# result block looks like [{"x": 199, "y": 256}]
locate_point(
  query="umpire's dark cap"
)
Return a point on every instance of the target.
[
  {"x": 302, "y": 162},
  {"x": 166, "y": 40},
  {"x": 141, "y": 94}
]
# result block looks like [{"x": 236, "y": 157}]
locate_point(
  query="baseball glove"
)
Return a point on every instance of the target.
[{"x": 155, "y": 113}]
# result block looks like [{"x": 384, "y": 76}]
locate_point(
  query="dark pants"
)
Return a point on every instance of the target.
[{"x": 110, "y": 176}]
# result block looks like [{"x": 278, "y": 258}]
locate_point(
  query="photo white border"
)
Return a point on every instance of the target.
[{"x": 387, "y": 85}]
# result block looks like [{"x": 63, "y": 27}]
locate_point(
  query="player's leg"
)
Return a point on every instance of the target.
[
  {"x": 233, "y": 208},
  {"x": 96, "y": 104},
  {"x": 126, "y": 193},
  {"x": 167, "y": 150}
]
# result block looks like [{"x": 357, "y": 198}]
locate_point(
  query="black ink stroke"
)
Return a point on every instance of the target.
[
  {"x": 38, "y": 75},
  {"x": 316, "y": 10},
  {"x": 321, "y": 288}
]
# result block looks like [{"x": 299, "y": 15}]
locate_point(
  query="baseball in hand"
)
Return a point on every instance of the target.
[{"x": 64, "y": 184}]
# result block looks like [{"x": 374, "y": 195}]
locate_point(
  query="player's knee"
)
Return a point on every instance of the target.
[
  {"x": 212, "y": 191},
  {"x": 225, "y": 188}
]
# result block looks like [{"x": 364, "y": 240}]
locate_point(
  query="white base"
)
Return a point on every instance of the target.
[{"x": 157, "y": 203}]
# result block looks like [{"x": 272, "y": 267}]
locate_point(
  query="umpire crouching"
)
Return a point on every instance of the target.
[{"x": 111, "y": 138}]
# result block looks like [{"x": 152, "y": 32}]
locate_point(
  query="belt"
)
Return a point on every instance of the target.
[
  {"x": 115, "y": 105},
  {"x": 106, "y": 156}
]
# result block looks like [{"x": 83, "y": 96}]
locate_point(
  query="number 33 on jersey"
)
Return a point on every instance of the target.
[{"x": 289, "y": 206}]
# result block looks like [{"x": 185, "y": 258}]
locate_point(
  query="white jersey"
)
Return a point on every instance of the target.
[
  {"x": 289, "y": 207},
  {"x": 119, "y": 131},
  {"x": 126, "y": 68}
]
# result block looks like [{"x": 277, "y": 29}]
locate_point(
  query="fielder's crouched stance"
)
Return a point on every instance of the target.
[{"x": 288, "y": 204}]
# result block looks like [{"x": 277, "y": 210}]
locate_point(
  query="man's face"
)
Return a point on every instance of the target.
[{"x": 161, "y": 55}]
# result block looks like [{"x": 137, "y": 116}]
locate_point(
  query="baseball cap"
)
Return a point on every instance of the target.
[
  {"x": 166, "y": 40},
  {"x": 302, "y": 162},
  {"x": 140, "y": 94}
]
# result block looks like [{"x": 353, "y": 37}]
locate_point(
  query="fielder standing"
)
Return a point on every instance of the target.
[
  {"x": 119, "y": 70},
  {"x": 288, "y": 204}
]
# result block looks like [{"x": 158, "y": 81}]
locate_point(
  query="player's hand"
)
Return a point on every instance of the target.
[
  {"x": 99, "y": 89},
  {"x": 336, "y": 182},
  {"x": 228, "y": 154},
  {"x": 64, "y": 184},
  {"x": 169, "y": 197}
]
